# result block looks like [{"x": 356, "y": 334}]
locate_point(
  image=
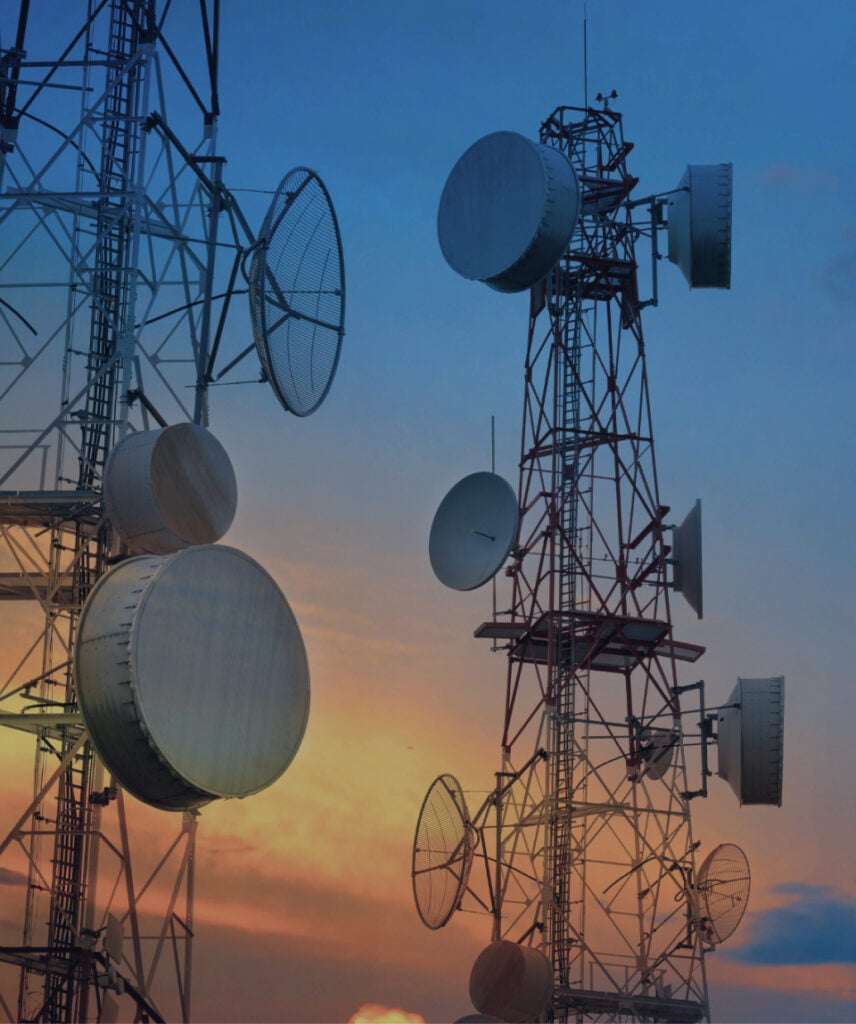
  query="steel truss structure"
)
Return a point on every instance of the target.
[
  {"x": 586, "y": 841},
  {"x": 113, "y": 305}
]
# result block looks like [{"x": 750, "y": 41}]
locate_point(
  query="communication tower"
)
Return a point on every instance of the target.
[
  {"x": 143, "y": 657},
  {"x": 583, "y": 853}
]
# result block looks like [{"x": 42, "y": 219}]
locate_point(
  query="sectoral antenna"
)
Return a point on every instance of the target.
[{"x": 686, "y": 559}]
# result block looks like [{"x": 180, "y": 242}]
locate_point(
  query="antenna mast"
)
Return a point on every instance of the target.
[
  {"x": 114, "y": 231},
  {"x": 588, "y": 858}
]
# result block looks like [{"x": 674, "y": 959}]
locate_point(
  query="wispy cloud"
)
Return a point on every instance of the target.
[
  {"x": 8, "y": 877},
  {"x": 838, "y": 276},
  {"x": 797, "y": 177},
  {"x": 818, "y": 926}
]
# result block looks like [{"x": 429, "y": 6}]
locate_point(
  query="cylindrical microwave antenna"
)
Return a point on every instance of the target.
[
  {"x": 191, "y": 676},
  {"x": 507, "y": 211},
  {"x": 169, "y": 489}
]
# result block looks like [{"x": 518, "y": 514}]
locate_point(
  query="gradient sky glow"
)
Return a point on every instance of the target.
[{"x": 304, "y": 911}]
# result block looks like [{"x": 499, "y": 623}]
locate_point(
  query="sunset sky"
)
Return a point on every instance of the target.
[{"x": 304, "y": 909}]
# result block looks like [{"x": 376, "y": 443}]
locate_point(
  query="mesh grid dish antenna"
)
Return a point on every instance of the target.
[
  {"x": 473, "y": 531},
  {"x": 297, "y": 292},
  {"x": 722, "y": 888},
  {"x": 750, "y": 740},
  {"x": 442, "y": 852}
]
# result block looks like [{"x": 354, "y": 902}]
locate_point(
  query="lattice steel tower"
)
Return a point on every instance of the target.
[
  {"x": 120, "y": 254},
  {"x": 583, "y": 853}
]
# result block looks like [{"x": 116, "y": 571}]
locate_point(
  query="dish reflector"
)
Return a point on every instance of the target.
[
  {"x": 192, "y": 676},
  {"x": 297, "y": 292},
  {"x": 165, "y": 490},
  {"x": 511, "y": 982},
  {"x": 508, "y": 211},
  {"x": 442, "y": 852},
  {"x": 686, "y": 555},
  {"x": 114, "y": 938},
  {"x": 700, "y": 226},
  {"x": 722, "y": 888},
  {"x": 750, "y": 740},
  {"x": 658, "y": 747},
  {"x": 473, "y": 531}
]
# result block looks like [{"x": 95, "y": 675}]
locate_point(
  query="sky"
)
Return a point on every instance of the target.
[{"x": 304, "y": 911}]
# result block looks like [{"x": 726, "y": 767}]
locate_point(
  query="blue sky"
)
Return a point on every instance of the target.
[{"x": 752, "y": 406}]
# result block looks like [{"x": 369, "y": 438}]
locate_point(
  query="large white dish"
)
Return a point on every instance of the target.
[
  {"x": 165, "y": 490},
  {"x": 473, "y": 531},
  {"x": 508, "y": 211},
  {"x": 700, "y": 226},
  {"x": 750, "y": 740},
  {"x": 192, "y": 676}
]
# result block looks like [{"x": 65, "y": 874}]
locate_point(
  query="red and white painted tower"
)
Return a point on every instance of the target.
[{"x": 586, "y": 841}]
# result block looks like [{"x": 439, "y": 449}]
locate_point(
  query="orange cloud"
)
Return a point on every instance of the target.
[{"x": 374, "y": 1013}]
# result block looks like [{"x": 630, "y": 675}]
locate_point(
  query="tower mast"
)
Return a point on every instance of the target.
[
  {"x": 587, "y": 856},
  {"x": 118, "y": 229},
  {"x": 596, "y": 847}
]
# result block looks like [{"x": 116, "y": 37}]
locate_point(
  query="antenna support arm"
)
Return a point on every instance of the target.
[{"x": 706, "y": 729}]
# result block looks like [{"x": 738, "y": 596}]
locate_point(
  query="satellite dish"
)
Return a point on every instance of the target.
[
  {"x": 511, "y": 982},
  {"x": 658, "y": 747},
  {"x": 473, "y": 531},
  {"x": 722, "y": 890},
  {"x": 442, "y": 852},
  {"x": 750, "y": 740},
  {"x": 165, "y": 490},
  {"x": 507, "y": 212},
  {"x": 297, "y": 292},
  {"x": 686, "y": 555},
  {"x": 700, "y": 226},
  {"x": 192, "y": 676}
]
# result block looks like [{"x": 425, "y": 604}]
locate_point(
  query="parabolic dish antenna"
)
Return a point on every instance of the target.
[
  {"x": 192, "y": 676},
  {"x": 508, "y": 211},
  {"x": 722, "y": 889},
  {"x": 658, "y": 748},
  {"x": 165, "y": 490},
  {"x": 686, "y": 556},
  {"x": 700, "y": 226},
  {"x": 750, "y": 740},
  {"x": 473, "y": 531},
  {"x": 442, "y": 852},
  {"x": 511, "y": 982},
  {"x": 297, "y": 292}
]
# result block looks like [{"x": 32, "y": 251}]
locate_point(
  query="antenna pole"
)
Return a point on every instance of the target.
[
  {"x": 493, "y": 444},
  {"x": 585, "y": 54},
  {"x": 493, "y": 470}
]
